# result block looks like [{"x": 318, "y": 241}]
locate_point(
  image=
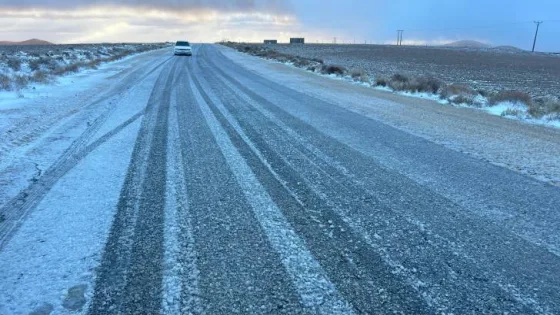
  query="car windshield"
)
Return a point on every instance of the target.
[{"x": 182, "y": 44}]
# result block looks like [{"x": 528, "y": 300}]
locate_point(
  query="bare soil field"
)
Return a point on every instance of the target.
[{"x": 486, "y": 69}]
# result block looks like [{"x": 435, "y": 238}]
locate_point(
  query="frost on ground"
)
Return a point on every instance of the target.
[
  {"x": 48, "y": 266},
  {"x": 525, "y": 148},
  {"x": 531, "y": 107},
  {"x": 22, "y": 65}
]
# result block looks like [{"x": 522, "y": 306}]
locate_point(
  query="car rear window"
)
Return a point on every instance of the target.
[{"x": 182, "y": 44}]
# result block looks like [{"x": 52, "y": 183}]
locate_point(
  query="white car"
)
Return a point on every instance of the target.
[{"x": 182, "y": 48}]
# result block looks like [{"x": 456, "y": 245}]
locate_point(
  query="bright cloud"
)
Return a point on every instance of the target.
[{"x": 120, "y": 23}]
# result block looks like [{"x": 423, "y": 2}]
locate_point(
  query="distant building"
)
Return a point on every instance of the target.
[
  {"x": 297, "y": 40},
  {"x": 270, "y": 41}
]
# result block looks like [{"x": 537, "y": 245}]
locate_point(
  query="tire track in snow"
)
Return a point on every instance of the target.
[
  {"x": 459, "y": 258},
  {"x": 15, "y": 210},
  {"x": 362, "y": 276},
  {"x": 180, "y": 274},
  {"x": 315, "y": 289},
  {"x": 113, "y": 293}
]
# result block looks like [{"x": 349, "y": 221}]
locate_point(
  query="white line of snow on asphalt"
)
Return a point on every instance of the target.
[
  {"x": 59, "y": 245},
  {"x": 397, "y": 267},
  {"x": 429, "y": 293},
  {"x": 315, "y": 289},
  {"x": 179, "y": 256}
]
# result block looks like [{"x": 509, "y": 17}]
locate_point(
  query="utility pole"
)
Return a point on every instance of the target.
[
  {"x": 536, "y": 33},
  {"x": 399, "y": 37},
  {"x": 334, "y": 40}
]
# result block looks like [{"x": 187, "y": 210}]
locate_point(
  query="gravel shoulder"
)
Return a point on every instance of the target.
[{"x": 528, "y": 149}]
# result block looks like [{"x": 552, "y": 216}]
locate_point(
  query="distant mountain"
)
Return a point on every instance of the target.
[
  {"x": 33, "y": 41},
  {"x": 467, "y": 44}
]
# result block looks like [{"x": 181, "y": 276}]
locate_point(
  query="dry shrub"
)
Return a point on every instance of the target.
[
  {"x": 35, "y": 64},
  {"x": 14, "y": 64},
  {"x": 544, "y": 106},
  {"x": 5, "y": 82},
  {"x": 20, "y": 81},
  {"x": 40, "y": 77},
  {"x": 359, "y": 75},
  {"x": 318, "y": 60},
  {"x": 462, "y": 99},
  {"x": 302, "y": 63},
  {"x": 510, "y": 96},
  {"x": 71, "y": 68},
  {"x": 427, "y": 84},
  {"x": 399, "y": 77},
  {"x": 333, "y": 69},
  {"x": 399, "y": 82},
  {"x": 94, "y": 63},
  {"x": 482, "y": 92},
  {"x": 512, "y": 112},
  {"x": 381, "y": 81},
  {"x": 455, "y": 89},
  {"x": 118, "y": 56}
]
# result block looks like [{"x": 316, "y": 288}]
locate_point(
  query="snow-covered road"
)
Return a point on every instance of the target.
[{"x": 223, "y": 184}]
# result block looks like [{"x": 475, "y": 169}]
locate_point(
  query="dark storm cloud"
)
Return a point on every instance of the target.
[{"x": 219, "y": 5}]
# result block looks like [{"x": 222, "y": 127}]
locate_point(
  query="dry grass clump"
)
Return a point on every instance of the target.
[
  {"x": 399, "y": 82},
  {"x": 318, "y": 60},
  {"x": 301, "y": 63},
  {"x": 455, "y": 89},
  {"x": 510, "y": 96},
  {"x": 94, "y": 64},
  {"x": 20, "y": 81},
  {"x": 381, "y": 81},
  {"x": 458, "y": 94},
  {"x": 5, "y": 82},
  {"x": 71, "y": 68},
  {"x": 14, "y": 63},
  {"x": 512, "y": 112},
  {"x": 359, "y": 75},
  {"x": 427, "y": 84},
  {"x": 40, "y": 77},
  {"x": 42, "y": 63},
  {"x": 333, "y": 69},
  {"x": 545, "y": 106}
]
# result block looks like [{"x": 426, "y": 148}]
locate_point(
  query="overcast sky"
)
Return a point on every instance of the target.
[{"x": 497, "y": 22}]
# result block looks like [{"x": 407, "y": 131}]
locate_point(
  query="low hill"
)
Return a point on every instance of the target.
[
  {"x": 28, "y": 42},
  {"x": 512, "y": 49},
  {"x": 467, "y": 44}
]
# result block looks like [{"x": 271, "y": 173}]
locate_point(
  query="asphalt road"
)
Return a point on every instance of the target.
[{"x": 233, "y": 204}]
